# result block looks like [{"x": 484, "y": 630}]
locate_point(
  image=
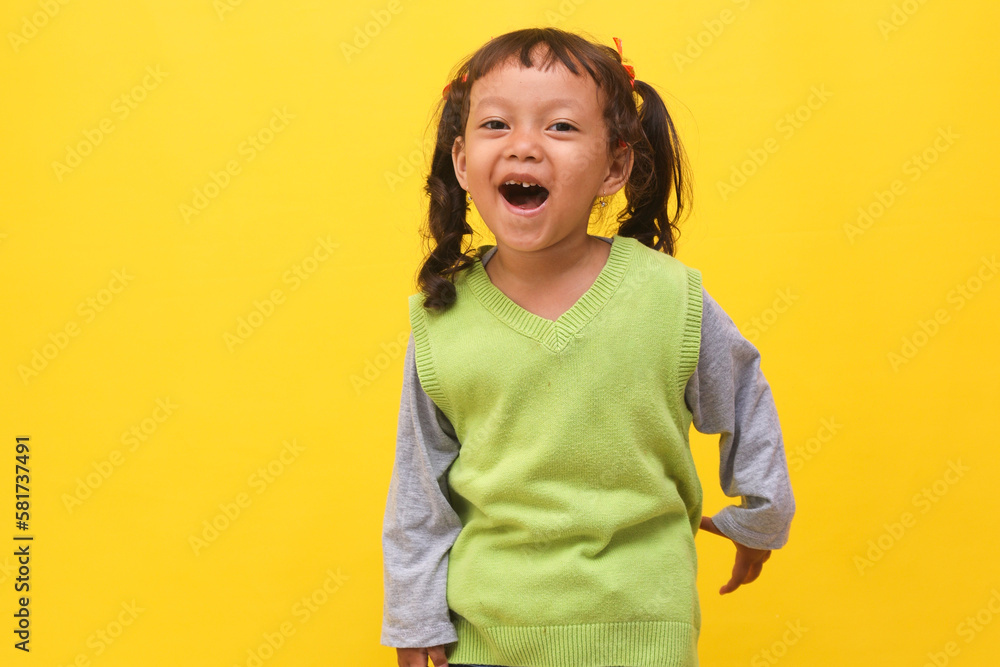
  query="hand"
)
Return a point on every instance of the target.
[
  {"x": 749, "y": 561},
  {"x": 417, "y": 657}
]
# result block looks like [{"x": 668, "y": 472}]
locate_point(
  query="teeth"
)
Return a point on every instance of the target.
[{"x": 527, "y": 185}]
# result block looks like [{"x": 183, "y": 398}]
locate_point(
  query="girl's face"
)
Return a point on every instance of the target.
[{"x": 543, "y": 127}]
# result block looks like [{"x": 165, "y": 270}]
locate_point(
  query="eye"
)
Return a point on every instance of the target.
[{"x": 488, "y": 124}]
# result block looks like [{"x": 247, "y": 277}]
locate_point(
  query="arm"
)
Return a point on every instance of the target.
[
  {"x": 727, "y": 394},
  {"x": 420, "y": 524}
]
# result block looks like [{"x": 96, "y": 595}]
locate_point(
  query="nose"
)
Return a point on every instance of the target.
[{"x": 524, "y": 143}]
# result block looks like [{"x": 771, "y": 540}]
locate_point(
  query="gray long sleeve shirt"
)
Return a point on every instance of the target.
[{"x": 727, "y": 394}]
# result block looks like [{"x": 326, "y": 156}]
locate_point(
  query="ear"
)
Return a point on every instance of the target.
[
  {"x": 618, "y": 170},
  {"x": 458, "y": 160}
]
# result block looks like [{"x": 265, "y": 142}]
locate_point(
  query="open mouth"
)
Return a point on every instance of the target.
[{"x": 523, "y": 197}]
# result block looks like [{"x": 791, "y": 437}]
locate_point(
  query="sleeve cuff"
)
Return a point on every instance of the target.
[
  {"x": 725, "y": 522},
  {"x": 426, "y": 637}
]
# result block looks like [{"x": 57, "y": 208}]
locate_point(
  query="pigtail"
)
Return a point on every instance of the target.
[
  {"x": 659, "y": 168},
  {"x": 447, "y": 224}
]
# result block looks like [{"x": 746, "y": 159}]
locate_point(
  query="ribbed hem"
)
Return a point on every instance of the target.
[
  {"x": 691, "y": 341},
  {"x": 422, "y": 353},
  {"x": 555, "y": 334},
  {"x": 633, "y": 643}
]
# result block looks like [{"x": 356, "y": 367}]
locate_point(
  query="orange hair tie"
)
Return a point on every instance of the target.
[
  {"x": 444, "y": 93},
  {"x": 631, "y": 78},
  {"x": 628, "y": 68}
]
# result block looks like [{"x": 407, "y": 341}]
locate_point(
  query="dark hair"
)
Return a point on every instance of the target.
[{"x": 658, "y": 166}]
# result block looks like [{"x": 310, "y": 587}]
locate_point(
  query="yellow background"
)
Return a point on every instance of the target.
[{"x": 340, "y": 165}]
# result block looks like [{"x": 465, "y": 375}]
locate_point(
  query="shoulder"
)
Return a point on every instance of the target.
[
  {"x": 464, "y": 292},
  {"x": 657, "y": 267},
  {"x": 644, "y": 253}
]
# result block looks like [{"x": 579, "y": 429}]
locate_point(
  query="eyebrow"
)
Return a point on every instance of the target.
[{"x": 558, "y": 102}]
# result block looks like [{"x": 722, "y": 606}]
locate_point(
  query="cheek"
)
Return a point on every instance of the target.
[
  {"x": 574, "y": 173},
  {"x": 478, "y": 164},
  {"x": 583, "y": 162}
]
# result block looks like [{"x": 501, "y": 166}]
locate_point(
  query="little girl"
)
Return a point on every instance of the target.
[{"x": 544, "y": 501}]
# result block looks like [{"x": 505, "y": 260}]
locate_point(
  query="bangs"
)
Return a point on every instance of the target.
[{"x": 572, "y": 51}]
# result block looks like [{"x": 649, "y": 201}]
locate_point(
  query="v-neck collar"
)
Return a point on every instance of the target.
[{"x": 554, "y": 334}]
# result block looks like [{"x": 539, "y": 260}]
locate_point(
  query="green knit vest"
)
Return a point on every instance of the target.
[{"x": 576, "y": 489}]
